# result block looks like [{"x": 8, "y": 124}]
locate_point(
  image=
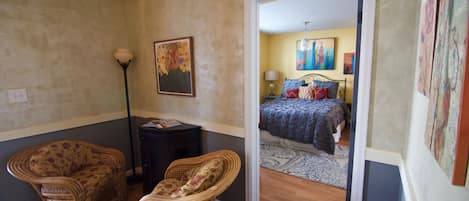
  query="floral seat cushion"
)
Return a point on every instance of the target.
[
  {"x": 201, "y": 178},
  {"x": 93, "y": 177},
  {"x": 62, "y": 158},
  {"x": 167, "y": 187}
]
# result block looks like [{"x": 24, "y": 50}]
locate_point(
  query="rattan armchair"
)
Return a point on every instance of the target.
[
  {"x": 112, "y": 184},
  {"x": 178, "y": 169}
]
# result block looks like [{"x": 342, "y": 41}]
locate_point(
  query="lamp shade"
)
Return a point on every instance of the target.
[
  {"x": 123, "y": 55},
  {"x": 271, "y": 75}
]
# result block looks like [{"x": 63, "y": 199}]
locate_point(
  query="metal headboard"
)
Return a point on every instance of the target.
[{"x": 342, "y": 91}]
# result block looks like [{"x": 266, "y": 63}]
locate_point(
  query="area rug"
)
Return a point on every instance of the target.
[{"x": 316, "y": 166}]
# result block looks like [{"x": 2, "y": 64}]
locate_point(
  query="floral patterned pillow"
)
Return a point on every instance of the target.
[
  {"x": 306, "y": 92},
  {"x": 205, "y": 177}
]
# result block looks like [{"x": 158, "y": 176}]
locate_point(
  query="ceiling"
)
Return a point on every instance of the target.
[{"x": 283, "y": 16}]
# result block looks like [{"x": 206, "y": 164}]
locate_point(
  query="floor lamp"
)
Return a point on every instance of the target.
[{"x": 124, "y": 57}]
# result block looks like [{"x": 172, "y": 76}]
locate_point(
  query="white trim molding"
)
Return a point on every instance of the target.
[
  {"x": 395, "y": 159},
  {"x": 251, "y": 98},
  {"x": 60, "y": 125},
  {"x": 381, "y": 156},
  {"x": 363, "y": 99},
  {"x": 251, "y": 72},
  {"x": 407, "y": 185},
  {"x": 206, "y": 125}
]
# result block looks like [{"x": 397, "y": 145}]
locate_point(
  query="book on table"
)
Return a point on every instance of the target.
[{"x": 162, "y": 123}]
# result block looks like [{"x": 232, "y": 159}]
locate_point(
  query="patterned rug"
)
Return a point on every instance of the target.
[{"x": 316, "y": 166}]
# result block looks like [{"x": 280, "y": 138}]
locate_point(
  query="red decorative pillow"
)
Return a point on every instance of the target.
[
  {"x": 320, "y": 93},
  {"x": 293, "y": 93}
]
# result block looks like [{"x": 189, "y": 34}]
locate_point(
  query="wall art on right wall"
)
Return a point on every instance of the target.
[
  {"x": 349, "y": 63},
  {"x": 447, "y": 131},
  {"x": 426, "y": 45}
]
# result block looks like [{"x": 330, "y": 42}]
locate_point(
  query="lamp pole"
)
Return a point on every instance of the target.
[
  {"x": 124, "y": 57},
  {"x": 134, "y": 178}
]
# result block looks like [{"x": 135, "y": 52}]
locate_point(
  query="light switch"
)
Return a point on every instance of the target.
[{"x": 17, "y": 95}]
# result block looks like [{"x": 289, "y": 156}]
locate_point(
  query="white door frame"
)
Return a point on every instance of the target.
[{"x": 251, "y": 99}]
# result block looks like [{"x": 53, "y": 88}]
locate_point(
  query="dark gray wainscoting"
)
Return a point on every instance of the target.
[
  {"x": 382, "y": 182},
  {"x": 214, "y": 141},
  {"x": 110, "y": 134}
]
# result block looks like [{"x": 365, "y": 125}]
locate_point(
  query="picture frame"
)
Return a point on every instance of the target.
[
  {"x": 426, "y": 45},
  {"x": 447, "y": 131},
  {"x": 349, "y": 63},
  {"x": 174, "y": 64},
  {"x": 320, "y": 54}
]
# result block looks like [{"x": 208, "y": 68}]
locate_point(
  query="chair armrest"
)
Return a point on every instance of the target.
[
  {"x": 113, "y": 157},
  {"x": 109, "y": 156},
  {"x": 178, "y": 168}
]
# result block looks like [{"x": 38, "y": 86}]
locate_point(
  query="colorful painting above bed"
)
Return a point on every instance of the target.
[{"x": 318, "y": 56}]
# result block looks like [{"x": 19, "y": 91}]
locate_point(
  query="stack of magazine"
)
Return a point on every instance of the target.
[{"x": 162, "y": 123}]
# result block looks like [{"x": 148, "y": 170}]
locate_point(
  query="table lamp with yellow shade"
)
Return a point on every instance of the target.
[{"x": 271, "y": 76}]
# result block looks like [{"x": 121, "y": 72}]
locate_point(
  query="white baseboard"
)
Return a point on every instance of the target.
[
  {"x": 206, "y": 125},
  {"x": 89, "y": 120},
  {"x": 60, "y": 125},
  {"x": 381, "y": 156}
]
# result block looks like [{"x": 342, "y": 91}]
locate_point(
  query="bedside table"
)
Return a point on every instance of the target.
[{"x": 268, "y": 98}]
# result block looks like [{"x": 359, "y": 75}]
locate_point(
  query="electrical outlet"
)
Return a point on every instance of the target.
[{"x": 17, "y": 95}]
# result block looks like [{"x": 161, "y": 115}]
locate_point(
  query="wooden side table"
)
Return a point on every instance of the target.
[{"x": 161, "y": 146}]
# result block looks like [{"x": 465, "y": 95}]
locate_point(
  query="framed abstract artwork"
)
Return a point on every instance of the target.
[
  {"x": 426, "y": 45},
  {"x": 349, "y": 63},
  {"x": 447, "y": 130},
  {"x": 318, "y": 56},
  {"x": 174, "y": 65}
]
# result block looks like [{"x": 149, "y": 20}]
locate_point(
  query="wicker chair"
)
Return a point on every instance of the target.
[
  {"x": 178, "y": 170},
  {"x": 72, "y": 171}
]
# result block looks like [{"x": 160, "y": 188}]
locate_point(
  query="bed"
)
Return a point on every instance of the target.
[{"x": 305, "y": 122}]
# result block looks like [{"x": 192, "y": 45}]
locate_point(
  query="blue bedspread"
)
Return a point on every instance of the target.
[{"x": 306, "y": 121}]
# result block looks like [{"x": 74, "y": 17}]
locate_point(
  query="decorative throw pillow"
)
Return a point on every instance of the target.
[
  {"x": 293, "y": 93},
  {"x": 306, "y": 93},
  {"x": 205, "y": 177},
  {"x": 320, "y": 93},
  {"x": 291, "y": 84},
  {"x": 332, "y": 87}
]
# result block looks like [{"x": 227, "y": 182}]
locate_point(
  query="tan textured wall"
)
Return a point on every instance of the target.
[
  {"x": 217, "y": 29},
  {"x": 282, "y": 55},
  {"x": 264, "y": 48},
  {"x": 61, "y": 52},
  {"x": 393, "y": 73}
]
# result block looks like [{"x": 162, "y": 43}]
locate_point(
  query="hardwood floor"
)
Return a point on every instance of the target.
[
  {"x": 134, "y": 192},
  {"x": 277, "y": 186}
]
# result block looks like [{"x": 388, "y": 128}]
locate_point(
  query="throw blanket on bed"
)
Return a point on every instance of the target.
[{"x": 306, "y": 121}]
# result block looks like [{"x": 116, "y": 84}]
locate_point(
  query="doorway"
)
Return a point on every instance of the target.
[{"x": 358, "y": 123}]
